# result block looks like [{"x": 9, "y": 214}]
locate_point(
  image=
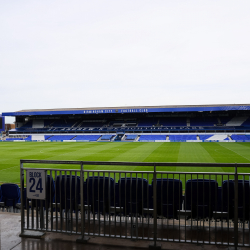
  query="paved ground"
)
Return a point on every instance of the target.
[{"x": 10, "y": 240}]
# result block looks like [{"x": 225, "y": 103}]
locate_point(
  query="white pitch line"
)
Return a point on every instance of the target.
[
  {"x": 8, "y": 168},
  {"x": 236, "y": 152}
]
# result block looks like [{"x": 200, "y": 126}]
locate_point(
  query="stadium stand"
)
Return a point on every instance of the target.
[
  {"x": 14, "y": 139},
  {"x": 204, "y": 137},
  {"x": 91, "y": 124},
  {"x": 239, "y": 137},
  {"x": 182, "y": 137},
  {"x": 87, "y": 137},
  {"x": 106, "y": 137},
  {"x": 204, "y": 121},
  {"x": 174, "y": 121},
  {"x": 61, "y": 137},
  {"x": 237, "y": 121},
  {"x": 130, "y": 137},
  {"x": 246, "y": 122},
  {"x": 146, "y": 122},
  {"x": 63, "y": 123},
  {"x": 217, "y": 137},
  {"x": 29, "y": 138},
  {"x": 223, "y": 120},
  {"x": 152, "y": 137},
  {"x": 27, "y": 124},
  {"x": 159, "y": 120}
]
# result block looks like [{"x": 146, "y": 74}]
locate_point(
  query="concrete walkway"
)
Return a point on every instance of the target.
[{"x": 10, "y": 227}]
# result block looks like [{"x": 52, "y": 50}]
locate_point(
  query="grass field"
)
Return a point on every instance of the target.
[{"x": 12, "y": 152}]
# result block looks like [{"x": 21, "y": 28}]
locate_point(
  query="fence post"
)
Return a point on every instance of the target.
[
  {"x": 22, "y": 198},
  {"x": 82, "y": 239},
  {"x": 155, "y": 245},
  {"x": 236, "y": 207}
]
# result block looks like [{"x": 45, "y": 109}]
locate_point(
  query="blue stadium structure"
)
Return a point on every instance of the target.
[
  {"x": 2, "y": 123},
  {"x": 156, "y": 123}
]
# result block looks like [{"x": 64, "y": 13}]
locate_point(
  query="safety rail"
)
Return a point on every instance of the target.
[{"x": 155, "y": 205}]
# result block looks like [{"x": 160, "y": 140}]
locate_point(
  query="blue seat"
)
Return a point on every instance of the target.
[
  {"x": 0, "y": 194},
  {"x": 68, "y": 196},
  {"x": 133, "y": 195},
  {"x": 243, "y": 198},
  {"x": 200, "y": 197},
  {"x": 100, "y": 193},
  {"x": 10, "y": 195},
  {"x": 169, "y": 196}
]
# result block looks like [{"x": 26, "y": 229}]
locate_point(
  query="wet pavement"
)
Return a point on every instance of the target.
[{"x": 10, "y": 228}]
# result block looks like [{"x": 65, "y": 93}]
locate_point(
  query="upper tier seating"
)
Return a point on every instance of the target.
[
  {"x": 87, "y": 137},
  {"x": 237, "y": 121},
  {"x": 247, "y": 122},
  {"x": 27, "y": 124},
  {"x": 48, "y": 122},
  {"x": 63, "y": 123},
  {"x": 174, "y": 121},
  {"x": 202, "y": 121},
  {"x": 224, "y": 119},
  {"x": 152, "y": 137},
  {"x": 91, "y": 124},
  {"x": 147, "y": 122}
]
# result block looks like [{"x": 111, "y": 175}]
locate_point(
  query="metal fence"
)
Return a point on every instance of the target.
[{"x": 176, "y": 206}]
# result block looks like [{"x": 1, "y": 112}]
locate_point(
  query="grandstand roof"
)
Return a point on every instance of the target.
[{"x": 130, "y": 109}]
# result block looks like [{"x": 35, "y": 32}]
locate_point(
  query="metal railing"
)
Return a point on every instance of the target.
[{"x": 176, "y": 206}]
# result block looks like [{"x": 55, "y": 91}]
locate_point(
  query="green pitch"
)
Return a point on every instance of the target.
[{"x": 12, "y": 152}]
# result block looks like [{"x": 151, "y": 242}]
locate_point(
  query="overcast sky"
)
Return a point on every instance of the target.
[{"x": 81, "y": 53}]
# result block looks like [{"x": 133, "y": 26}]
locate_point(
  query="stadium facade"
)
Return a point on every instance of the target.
[{"x": 135, "y": 123}]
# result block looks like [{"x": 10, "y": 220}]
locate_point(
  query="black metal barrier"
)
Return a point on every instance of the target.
[{"x": 175, "y": 206}]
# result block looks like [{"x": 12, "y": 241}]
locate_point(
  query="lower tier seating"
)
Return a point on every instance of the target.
[{"x": 152, "y": 137}]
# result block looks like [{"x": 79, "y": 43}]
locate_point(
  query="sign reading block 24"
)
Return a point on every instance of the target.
[{"x": 35, "y": 183}]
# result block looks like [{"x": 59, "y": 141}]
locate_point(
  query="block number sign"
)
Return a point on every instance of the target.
[{"x": 35, "y": 183}]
